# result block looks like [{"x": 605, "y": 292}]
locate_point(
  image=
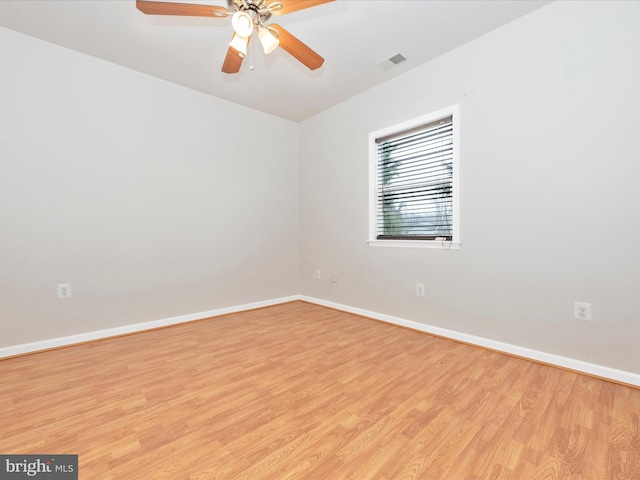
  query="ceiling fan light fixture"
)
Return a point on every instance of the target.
[
  {"x": 242, "y": 24},
  {"x": 268, "y": 40},
  {"x": 247, "y": 16},
  {"x": 239, "y": 43}
]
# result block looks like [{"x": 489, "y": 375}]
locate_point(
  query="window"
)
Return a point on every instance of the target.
[{"x": 414, "y": 187}]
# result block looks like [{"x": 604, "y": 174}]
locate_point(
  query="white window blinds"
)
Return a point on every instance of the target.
[{"x": 415, "y": 183}]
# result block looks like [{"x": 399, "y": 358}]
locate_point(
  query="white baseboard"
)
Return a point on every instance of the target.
[
  {"x": 136, "y": 327},
  {"x": 548, "y": 358}
]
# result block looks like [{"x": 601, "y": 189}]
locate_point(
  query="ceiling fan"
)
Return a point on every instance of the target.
[{"x": 247, "y": 17}]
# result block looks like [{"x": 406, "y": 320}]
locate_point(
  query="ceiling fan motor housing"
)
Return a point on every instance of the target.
[{"x": 257, "y": 9}]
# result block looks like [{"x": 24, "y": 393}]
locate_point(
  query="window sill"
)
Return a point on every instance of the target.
[{"x": 443, "y": 245}]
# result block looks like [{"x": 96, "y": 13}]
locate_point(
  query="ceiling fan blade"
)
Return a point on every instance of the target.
[
  {"x": 297, "y": 49},
  {"x": 289, "y": 6},
  {"x": 233, "y": 61},
  {"x": 187, "y": 9}
]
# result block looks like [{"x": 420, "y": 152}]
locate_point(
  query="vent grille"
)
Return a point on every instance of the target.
[
  {"x": 396, "y": 59},
  {"x": 389, "y": 63}
]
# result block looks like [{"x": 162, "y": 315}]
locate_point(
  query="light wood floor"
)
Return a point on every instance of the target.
[{"x": 298, "y": 391}]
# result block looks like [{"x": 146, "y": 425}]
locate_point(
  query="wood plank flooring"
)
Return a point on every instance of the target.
[{"x": 298, "y": 391}]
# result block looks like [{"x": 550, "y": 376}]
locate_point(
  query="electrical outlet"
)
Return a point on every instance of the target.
[
  {"x": 420, "y": 289},
  {"x": 64, "y": 290},
  {"x": 334, "y": 277},
  {"x": 582, "y": 311},
  {"x": 318, "y": 274}
]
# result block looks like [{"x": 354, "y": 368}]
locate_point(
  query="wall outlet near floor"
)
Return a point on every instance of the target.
[
  {"x": 420, "y": 289},
  {"x": 318, "y": 274},
  {"x": 64, "y": 290},
  {"x": 582, "y": 311}
]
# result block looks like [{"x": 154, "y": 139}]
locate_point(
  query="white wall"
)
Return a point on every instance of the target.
[
  {"x": 550, "y": 156},
  {"x": 152, "y": 200}
]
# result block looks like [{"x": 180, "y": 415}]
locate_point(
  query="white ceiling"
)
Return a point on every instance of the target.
[{"x": 352, "y": 35}]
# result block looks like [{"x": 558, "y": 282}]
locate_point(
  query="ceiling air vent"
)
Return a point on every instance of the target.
[
  {"x": 390, "y": 62},
  {"x": 397, "y": 58}
]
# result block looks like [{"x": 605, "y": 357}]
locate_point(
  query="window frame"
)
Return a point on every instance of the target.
[{"x": 455, "y": 242}]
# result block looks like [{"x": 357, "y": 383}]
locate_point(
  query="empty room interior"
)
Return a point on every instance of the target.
[{"x": 219, "y": 264}]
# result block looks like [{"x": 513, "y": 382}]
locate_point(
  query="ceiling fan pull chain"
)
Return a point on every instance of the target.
[{"x": 250, "y": 52}]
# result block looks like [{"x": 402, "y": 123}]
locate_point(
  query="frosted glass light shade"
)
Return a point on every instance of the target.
[
  {"x": 239, "y": 43},
  {"x": 268, "y": 40},
  {"x": 242, "y": 24}
]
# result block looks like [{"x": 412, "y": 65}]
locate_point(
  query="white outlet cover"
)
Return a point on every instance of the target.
[
  {"x": 582, "y": 311},
  {"x": 64, "y": 290}
]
